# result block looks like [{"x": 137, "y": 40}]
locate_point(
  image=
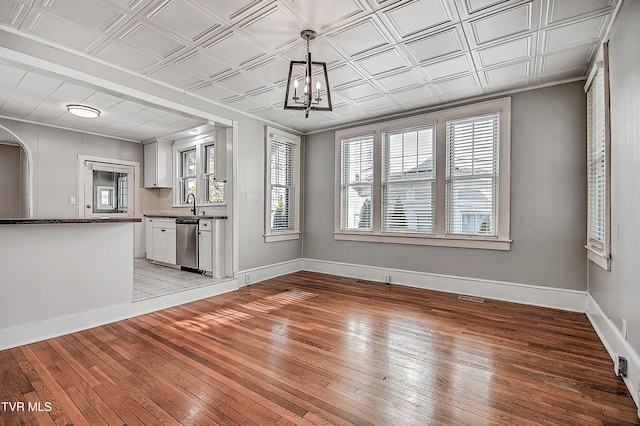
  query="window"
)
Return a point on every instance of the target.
[
  {"x": 598, "y": 168},
  {"x": 199, "y": 171},
  {"x": 472, "y": 175},
  {"x": 215, "y": 190},
  {"x": 283, "y": 186},
  {"x": 440, "y": 178},
  {"x": 356, "y": 183},
  {"x": 408, "y": 178},
  {"x": 188, "y": 171}
]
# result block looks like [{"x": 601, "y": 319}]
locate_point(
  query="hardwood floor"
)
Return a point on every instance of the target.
[{"x": 309, "y": 348}]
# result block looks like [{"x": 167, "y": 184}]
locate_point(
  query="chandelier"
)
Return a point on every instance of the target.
[{"x": 311, "y": 97}]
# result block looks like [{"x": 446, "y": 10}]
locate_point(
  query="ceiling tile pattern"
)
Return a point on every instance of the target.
[{"x": 384, "y": 56}]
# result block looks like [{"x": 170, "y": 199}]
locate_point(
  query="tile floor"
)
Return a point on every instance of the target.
[{"x": 151, "y": 280}]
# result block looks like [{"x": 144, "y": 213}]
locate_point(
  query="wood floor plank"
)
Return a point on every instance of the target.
[{"x": 309, "y": 348}]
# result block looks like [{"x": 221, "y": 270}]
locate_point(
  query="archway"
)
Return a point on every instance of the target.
[{"x": 15, "y": 176}]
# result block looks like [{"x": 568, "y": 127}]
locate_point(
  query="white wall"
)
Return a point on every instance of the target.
[
  {"x": 548, "y": 199},
  {"x": 57, "y": 270},
  {"x": 55, "y": 163},
  {"x": 10, "y": 179}
]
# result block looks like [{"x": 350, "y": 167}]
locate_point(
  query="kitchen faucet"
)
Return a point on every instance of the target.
[{"x": 194, "y": 203}]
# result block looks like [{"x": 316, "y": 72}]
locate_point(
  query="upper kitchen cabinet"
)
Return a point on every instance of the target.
[{"x": 158, "y": 164}]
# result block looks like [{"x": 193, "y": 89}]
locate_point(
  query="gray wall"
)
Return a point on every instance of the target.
[
  {"x": 618, "y": 291},
  {"x": 10, "y": 166},
  {"x": 548, "y": 199}
]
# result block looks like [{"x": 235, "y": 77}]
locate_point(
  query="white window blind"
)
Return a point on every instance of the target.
[
  {"x": 596, "y": 160},
  {"x": 282, "y": 185},
  {"x": 472, "y": 175},
  {"x": 356, "y": 183},
  {"x": 408, "y": 179}
]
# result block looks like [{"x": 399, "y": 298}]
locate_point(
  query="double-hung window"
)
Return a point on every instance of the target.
[
  {"x": 440, "y": 178},
  {"x": 188, "y": 169},
  {"x": 282, "y": 206},
  {"x": 598, "y": 229},
  {"x": 408, "y": 180},
  {"x": 214, "y": 192},
  {"x": 356, "y": 183},
  {"x": 472, "y": 175},
  {"x": 195, "y": 160}
]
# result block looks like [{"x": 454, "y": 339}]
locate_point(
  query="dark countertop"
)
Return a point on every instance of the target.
[
  {"x": 176, "y": 215},
  {"x": 24, "y": 221}
]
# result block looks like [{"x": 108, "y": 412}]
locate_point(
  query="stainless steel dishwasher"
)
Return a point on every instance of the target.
[{"x": 187, "y": 242}]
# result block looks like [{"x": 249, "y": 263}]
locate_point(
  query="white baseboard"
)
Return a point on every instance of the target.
[
  {"x": 262, "y": 273},
  {"x": 30, "y": 333},
  {"x": 615, "y": 344},
  {"x": 548, "y": 297}
]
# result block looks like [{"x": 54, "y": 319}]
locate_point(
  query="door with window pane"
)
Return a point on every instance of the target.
[{"x": 109, "y": 190}]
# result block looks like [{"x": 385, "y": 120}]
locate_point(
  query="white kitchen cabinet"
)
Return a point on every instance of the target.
[
  {"x": 211, "y": 246},
  {"x": 205, "y": 245},
  {"x": 148, "y": 237},
  {"x": 158, "y": 164},
  {"x": 163, "y": 241}
]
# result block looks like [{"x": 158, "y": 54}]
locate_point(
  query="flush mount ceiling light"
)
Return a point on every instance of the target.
[
  {"x": 310, "y": 98},
  {"x": 83, "y": 111}
]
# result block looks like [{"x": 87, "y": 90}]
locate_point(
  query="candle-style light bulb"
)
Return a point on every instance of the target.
[
  {"x": 295, "y": 88},
  {"x": 318, "y": 89}
]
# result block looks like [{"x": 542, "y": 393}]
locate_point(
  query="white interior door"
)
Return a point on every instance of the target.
[{"x": 109, "y": 190}]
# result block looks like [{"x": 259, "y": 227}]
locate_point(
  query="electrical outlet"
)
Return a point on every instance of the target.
[
  {"x": 621, "y": 366},
  {"x": 247, "y": 278},
  {"x": 387, "y": 278}
]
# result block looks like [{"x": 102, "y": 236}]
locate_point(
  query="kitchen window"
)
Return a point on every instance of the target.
[
  {"x": 214, "y": 192},
  {"x": 282, "y": 200},
  {"x": 188, "y": 171},
  {"x": 440, "y": 178},
  {"x": 196, "y": 162}
]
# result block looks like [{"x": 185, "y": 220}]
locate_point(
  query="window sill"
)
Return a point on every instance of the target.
[
  {"x": 272, "y": 238},
  {"x": 190, "y": 206},
  {"x": 452, "y": 241},
  {"x": 599, "y": 258}
]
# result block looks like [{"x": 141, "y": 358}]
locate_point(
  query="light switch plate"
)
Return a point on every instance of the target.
[{"x": 72, "y": 201}]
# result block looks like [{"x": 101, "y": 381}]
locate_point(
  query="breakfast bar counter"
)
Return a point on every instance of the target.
[{"x": 62, "y": 272}]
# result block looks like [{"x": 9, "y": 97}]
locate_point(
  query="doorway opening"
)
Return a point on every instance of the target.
[{"x": 15, "y": 176}]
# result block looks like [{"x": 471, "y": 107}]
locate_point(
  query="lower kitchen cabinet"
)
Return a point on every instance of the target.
[
  {"x": 211, "y": 246},
  {"x": 205, "y": 245},
  {"x": 161, "y": 247}
]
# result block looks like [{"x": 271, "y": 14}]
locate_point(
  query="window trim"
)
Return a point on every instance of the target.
[
  {"x": 199, "y": 144},
  {"x": 601, "y": 256},
  {"x": 269, "y": 235},
  {"x": 439, "y": 237}
]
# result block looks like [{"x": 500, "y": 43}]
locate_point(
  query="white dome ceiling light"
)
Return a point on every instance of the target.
[{"x": 83, "y": 111}]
